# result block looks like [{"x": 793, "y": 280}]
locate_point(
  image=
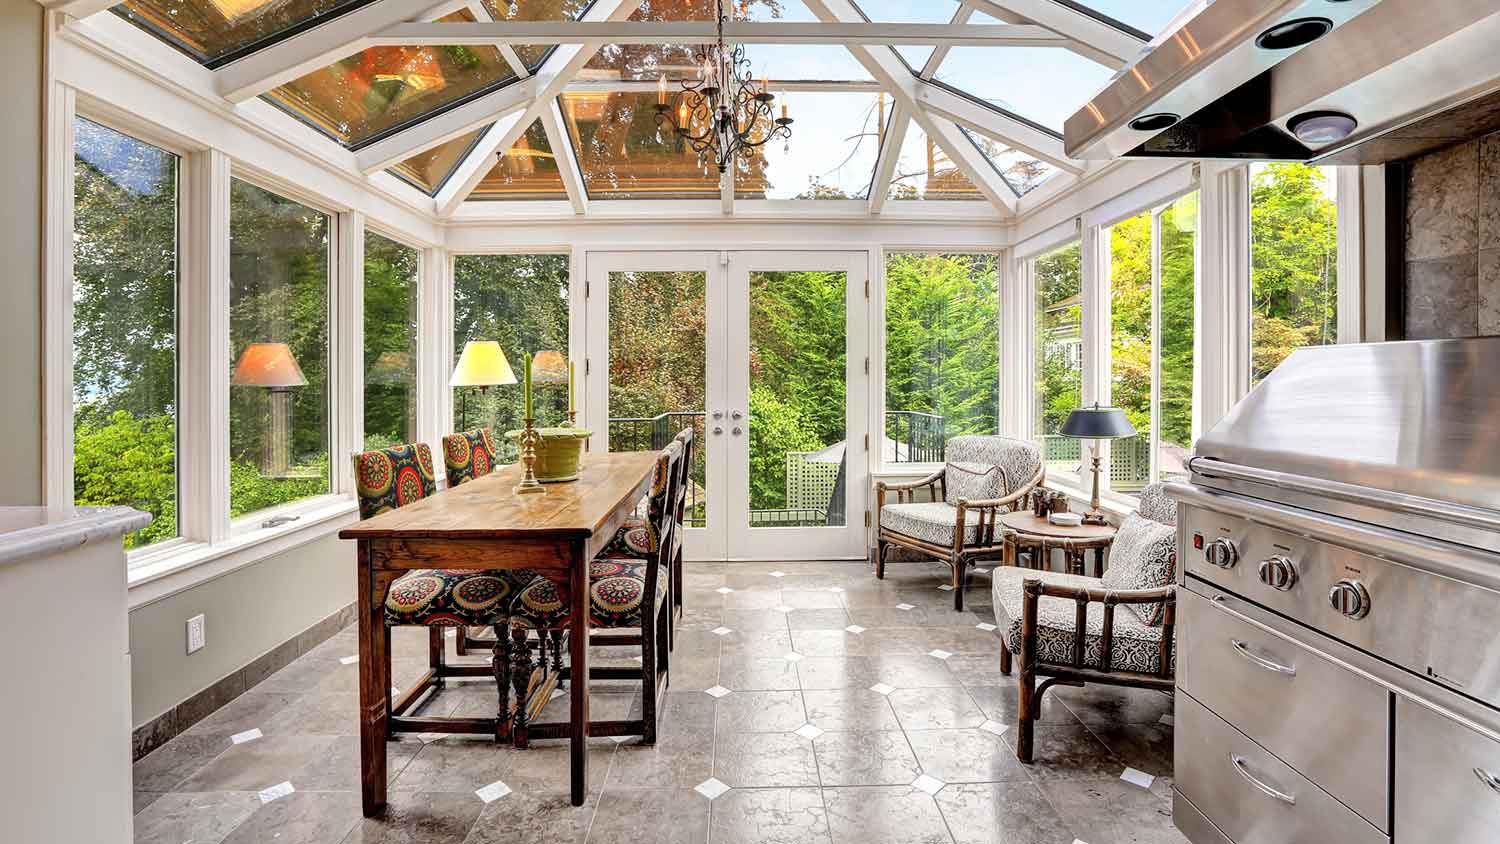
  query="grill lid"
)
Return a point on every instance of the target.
[{"x": 1410, "y": 427}]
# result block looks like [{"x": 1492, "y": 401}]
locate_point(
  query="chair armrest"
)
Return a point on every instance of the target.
[
  {"x": 1008, "y": 500},
  {"x": 1033, "y": 589},
  {"x": 910, "y": 485}
]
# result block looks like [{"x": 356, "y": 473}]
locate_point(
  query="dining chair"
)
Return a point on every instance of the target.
[
  {"x": 394, "y": 477},
  {"x": 625, "y": 593},
  {"x": 468, "y": 455}
]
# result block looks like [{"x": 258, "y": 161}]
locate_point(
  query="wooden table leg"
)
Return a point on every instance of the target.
[
  {"x": 578, "y": 682},
  {"x": 1099, "y": 561},
  {"x": 1010, "y": 552},
  {"x": 374, "y": 682}
]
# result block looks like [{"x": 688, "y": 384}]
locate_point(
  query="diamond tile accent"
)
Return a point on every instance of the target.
[
  {"x": 276, "y": 792},
  {"x": 348, "y": 660},
  {"x": 712, "y": 788},
  {"x": 1139, "y": 778},
  {"x": 995, "y": 727},
  {"x": 792, "y": 656},
  {"x": 882, "y": 689},
  {"x": 836, "y": 589},
  {"x": 639, "y": 658},
  {"x": 721, "y": 631},
  {"x": 723, "y": 590},
  {"x": 946, "y": 587},
  {"x": 556, "y": 693},
  {"x": 620, "y": 739},
  {"x": 716, "y": 691},
  {"x": 906, "y": 607},
  {"x": 939, "y": 653},
  {"x": 986, "y": 627},
  {"x": 783, "y": 609},
  {"x": 855, "y": 629},
  {"x": 248, "y": 735},
  {"x": 778, "y": 574},
  {"x": 809, "y": 731},
  {"x": 929, "y": 784},
  {"x": 492, "y": 792}
]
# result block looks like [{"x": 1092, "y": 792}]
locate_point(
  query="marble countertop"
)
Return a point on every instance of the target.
[{"x": 28, "y": 532}]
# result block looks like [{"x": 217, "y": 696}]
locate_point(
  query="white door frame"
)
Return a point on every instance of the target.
[{"x": 799, "y": 543}]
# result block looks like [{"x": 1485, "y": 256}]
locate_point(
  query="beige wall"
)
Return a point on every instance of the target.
[
  {"x": 248, "y": 612},
  {"x": 21, "y": 42}
]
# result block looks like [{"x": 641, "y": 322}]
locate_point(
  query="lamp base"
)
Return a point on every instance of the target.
[{"x": 1094, "y": 517}]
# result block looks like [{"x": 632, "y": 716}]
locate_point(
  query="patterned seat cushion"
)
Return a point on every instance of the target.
[
  {"x": 1143, "y": 556},
  {"x": 972, "y": 481},
  {"x": 616, "y": 590},
  {"x": 453, "y": 597},
  {"x": 931, "y": 521},
  {"x": 1135, "y": 643}
]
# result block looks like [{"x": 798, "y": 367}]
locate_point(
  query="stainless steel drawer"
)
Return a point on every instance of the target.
[
  {"x": 1447, "y": 778},
  {"x": 1283, "y": 696},
  {"x": 1250, "y": 795}
]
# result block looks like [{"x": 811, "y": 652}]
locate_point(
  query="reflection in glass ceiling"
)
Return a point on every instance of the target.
[
  {"x": 528, "y": 170},
  {"x": 1045, "y": 85},
  {"x": 429, "y": 169},
  {"x": 924, "y": 171},
  {"x": 1021, "y": 171},
  {"x": 215, "y": 31},
  {"x": 623, "y": 154},
  {"x": 836, "y": 138},
  {"x": 906, "y": 11}
]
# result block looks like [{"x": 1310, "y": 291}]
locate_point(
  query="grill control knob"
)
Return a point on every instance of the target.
[
  {"x": 1222, "y": 553},
  {"x": 1350, "y": 598},
  {"x": 1278, "y": 572}
]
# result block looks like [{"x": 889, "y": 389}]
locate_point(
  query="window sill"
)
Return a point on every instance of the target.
[
  {"x": 158, "y": 574},
  {"x": 1114, "y": 505},
  {"x": 899, "y": 471}
]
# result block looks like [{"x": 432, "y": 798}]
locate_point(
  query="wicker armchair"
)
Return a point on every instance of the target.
[
  {"x": 1064, "y": 628},
  {"x": 955, "y": 519}
]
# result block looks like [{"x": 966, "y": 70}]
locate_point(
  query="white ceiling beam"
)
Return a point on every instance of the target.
[
  {"x": 319, "y": 46},
  {"x": 643, "y": 86},
  {"x": 705, "y": 32},
  {"x": 889, "y": 70},
  {"x": 80, "y": 9},
  {"x": 1087, "y": 36},
  {"x": 472, "y": 168},
  {"x": 446, "y": 126},
  {"x": 566, "y": 157},
  {"x": 481, "y": 13},
  {"x": 938, "y": 100},
  {"x": 890, "y": 153},
  {"x": 940, "y": 52}
]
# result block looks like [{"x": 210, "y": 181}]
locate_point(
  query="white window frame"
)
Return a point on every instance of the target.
[{"x": 1024, "y": 298}]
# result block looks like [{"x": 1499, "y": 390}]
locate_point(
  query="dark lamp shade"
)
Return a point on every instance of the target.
[{"x": 1097, "y": 423}]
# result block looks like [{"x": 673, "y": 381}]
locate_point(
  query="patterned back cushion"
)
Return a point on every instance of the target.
[
  {"x": 687, "y": 437},
  {"x": 974, "y": 481},
  {"x": 468, "y": 455},
  {"x": 1143, "y": 556},
  {"x": 393, "y": 477},
  {"x": 1019, "y": 460},
  {"x": 1156, "y": 505}
]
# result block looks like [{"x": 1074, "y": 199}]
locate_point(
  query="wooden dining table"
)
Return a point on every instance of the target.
[{"x": 483, "y": 524}]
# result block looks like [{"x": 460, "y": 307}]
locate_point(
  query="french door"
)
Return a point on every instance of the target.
[{"x": 763, "y": 353}]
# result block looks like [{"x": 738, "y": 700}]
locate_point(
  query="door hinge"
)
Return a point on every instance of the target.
[
  {"x": 867, "y": 442},
  {"x": 867, "y": 518},
  {"x": 867, "y": 288},
  {"x": 588, "y": 289},
  {"x": 867, "y": 366},
  {"x": 585, "y": 366}
]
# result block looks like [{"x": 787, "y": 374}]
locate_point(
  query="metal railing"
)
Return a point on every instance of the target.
[{"x": 918, "y": 437}]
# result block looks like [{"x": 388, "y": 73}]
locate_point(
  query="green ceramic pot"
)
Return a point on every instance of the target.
[{"x": 559, "y": 453}]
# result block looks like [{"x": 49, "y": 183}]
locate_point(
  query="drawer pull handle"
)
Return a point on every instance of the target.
[
  {"x": 1241, "y": 765},
  {"x": 1270, "y": 665},
  {"x": 1488, "y": 778}
]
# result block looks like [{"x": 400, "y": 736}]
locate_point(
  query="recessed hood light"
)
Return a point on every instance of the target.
[
  {"x": 1294, "y": 33},
  {"x": 1322, "y": 127},
  {"x": 1154, "y": 122}
]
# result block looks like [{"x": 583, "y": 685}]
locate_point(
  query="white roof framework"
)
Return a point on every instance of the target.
[{"x": 527, "y": 87}]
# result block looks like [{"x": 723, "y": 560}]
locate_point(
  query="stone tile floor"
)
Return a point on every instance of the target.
[{"x": 809, "y": 702}]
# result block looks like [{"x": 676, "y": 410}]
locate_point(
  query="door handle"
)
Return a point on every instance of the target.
[
  {"x": 718, "y": 414},
  {"x": 1270, "y": 665},
  {"x": 736, "y": 415},
  {"x": 737, "y": 431},
  {"x": 1241, "y": 765},
  {"x": 718, "y": 429}
]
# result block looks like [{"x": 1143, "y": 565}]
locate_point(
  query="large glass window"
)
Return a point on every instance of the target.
[
  {"x": 1176, "y": 372},
  {"x": 390, "y": 341},
  {"x": 125, "y": 327},
  {"x": 1293, "y": 262},
  {"x": 942, "y": 376},
  {"x": 278, "y": 335},
  {"x": 1131, "y": 363},
  {"x": 521, "y": 301},
  {"x": 1057, "y": 335}
]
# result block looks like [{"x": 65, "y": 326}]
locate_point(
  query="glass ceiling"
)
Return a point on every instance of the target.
[
  {"x": 217, "y": 31},
  {"x": 429, "y": 169},
  {"x": 924, "y": 171},
  {"x": 528, "y": 170},
  {"x": 1020, "y": 171},
  {"x": 836, "y": 137},
  {"x": 1045, "y": 85},
  {"x": 906, "y": 11},
  {"x": 623, "y": 154}
]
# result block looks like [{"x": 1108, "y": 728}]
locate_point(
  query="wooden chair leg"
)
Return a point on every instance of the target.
[
  {"x": 520, "y": 678},
  {"x": 1026, "y": 704},
  {"x": 880, "y": 549},
  {"x": 648, "y": 676},
  {"x": 958, "y": 564},
  {"x": 436, "y": 655},
  {"x": 501, "y": 667}
]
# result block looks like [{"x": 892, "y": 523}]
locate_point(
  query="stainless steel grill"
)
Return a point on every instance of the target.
[{"x": 1340, "y": 619}]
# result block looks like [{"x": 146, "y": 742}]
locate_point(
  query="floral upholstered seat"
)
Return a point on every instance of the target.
[{"x": 617, "y": 589}]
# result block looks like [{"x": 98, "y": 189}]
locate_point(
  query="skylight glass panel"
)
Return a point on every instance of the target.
[
  {"x": 1150, "y": 18},
  {"x": 215, "y": 31},
  {"x": 430, "y": 168},
  {"x": 924, "y": 171},
  {"x": 535, "y": 10},
  {"x": 380, "y": 89},
  {"x": 1022, "y": 172},
  {"x": 906, "y": 11},
  {"x": 1042, "y": 84},
  {"x": 623, "y": 154},
  {"x": 835, "y": 140},
  {"x": 528, "y": 170}
]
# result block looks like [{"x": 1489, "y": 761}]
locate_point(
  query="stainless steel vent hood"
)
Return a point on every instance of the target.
[{"x": 1376, "y": 80}]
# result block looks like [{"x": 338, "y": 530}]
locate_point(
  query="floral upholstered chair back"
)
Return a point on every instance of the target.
[
  {"x": 468, "y": 455},
  {"x": 1156, "y": 505},
  {"x": 388, "y": 478},
  {"x": 1019, "y": 460},
  {"x": 641, "y": 536}
]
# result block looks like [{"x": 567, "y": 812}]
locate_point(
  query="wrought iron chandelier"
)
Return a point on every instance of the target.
[{"x": 724, "y": 111}]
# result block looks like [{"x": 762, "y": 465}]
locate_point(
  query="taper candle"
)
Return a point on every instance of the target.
[
  {"x": 572, "y": 402},
  {"x": 526, "y": 386}
]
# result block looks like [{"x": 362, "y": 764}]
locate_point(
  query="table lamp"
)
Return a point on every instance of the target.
[
  {"x": 1096, "y": 423},
  {"x": 272, "y": 366},
  {"x": 482, "y": 364}
]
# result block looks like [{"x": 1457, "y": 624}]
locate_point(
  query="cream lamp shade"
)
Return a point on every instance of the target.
[
  {"x": 549, "y": 368},
  {"x": 268, "y": 365},
  {"x": 482, "y": 364}
]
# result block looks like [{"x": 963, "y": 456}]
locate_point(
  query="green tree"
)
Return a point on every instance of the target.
[
  {"x": 390, "y": 322},
  {"x": 1293, "y": 262}
]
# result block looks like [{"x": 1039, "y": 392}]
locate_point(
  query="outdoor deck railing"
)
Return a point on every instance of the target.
[{"x": 918, "y": 437}]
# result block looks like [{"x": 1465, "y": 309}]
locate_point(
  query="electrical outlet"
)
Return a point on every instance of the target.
[{"x": 197, "y": 635}]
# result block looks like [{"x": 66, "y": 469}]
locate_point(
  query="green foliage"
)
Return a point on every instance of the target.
[
  {"x": 1294, "y": 258},
  {"x": 249, "y": 490},
  {"x": 120, "y": 459},
  {"x": 390, "y": 362},
  {"x": 1058, "y": 277},
  {"x": 778, "y": 426}
]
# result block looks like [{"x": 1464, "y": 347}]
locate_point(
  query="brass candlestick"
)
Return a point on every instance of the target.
[
  {"x": 572, "y": 419},
  {"x": 529, "y": 439}
]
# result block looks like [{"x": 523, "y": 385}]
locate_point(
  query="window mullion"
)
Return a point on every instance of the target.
[
  {"x": 1154, "y": 441},
  {"x": 346, "y": 340},
  {"x": 203, "y": 326},
  {"x": 1096, "y": 336},
  {"x": 434, "y": 346}
]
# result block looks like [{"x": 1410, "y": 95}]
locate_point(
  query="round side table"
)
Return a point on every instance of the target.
[{"x": 1025, "y": 531}]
